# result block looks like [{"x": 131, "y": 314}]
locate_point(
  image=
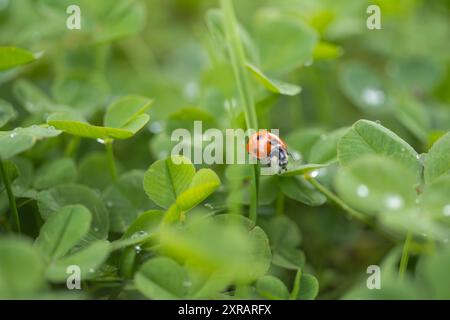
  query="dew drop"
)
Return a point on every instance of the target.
[
  {"x": 314, "y": 174},
  {"x": 13, "y": 135},
  {"x": 139, "y": 234},
  {"x": 156, "y": 127},
  {"x": 362, "y": 191},
  {"x": 101, "y": 141},
  {"x": 446, "y": 210},
  {"x": 162, "y": 155},
  {"x": 191, "y": 90},
  {"x": 373, "y": 97},
  {"x": 138, "y": 249},
  {"x": 209, "y": 206},
  {"x": 394, "y": 202}
]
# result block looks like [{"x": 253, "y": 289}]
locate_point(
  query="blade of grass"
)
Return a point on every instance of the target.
[
  {"x": 405, "y": 256},
  {"x": 111, "y": 161},
  {"x": 11, "y": 198},
  {"x": 238, "y": 61}
]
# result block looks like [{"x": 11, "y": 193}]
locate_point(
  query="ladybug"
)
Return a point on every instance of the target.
[{"x": 266, "y": 147}]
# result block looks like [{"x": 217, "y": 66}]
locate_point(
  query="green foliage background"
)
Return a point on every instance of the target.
[{"x": 86, "y": 178}]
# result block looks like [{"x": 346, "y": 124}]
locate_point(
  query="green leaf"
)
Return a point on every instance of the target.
[
  {"x": 162, "y": 278},
  {"x": 437, "y": 161},
  {"x": 435, "y": 201},
  {"x": 325, "y": 51},
  {"x": 204, "y": 183},
  {"x": 92, "y": 171},
  {"x": 325, "y": 149},
  {"x": 364, "y": 88},
  {"x": 21, "y": 269},
  {"x": 392, "y": 188},
  {"x": 309, "y": 287},
  {"x": 125, "y": 110},
  {"x": 7, "y": 112},
  {"x": 11, "y": 57},
  {"x": 435, "y": 269},
  {"x": 276, "y": 53},
  {"x": 74, "y": 124},
  {"x": 12, "y": 173},
  {"x": 123, "y": 119},
  {"x": 63, "y": 230},
  {"x": 415, "y": 221},
  {"x": 125, "y": 199},
  {"x": 143, "y": 229},
  {"x": 166, "y": 179},
  {"x": 288, "y": 258},
  {"x": 302, "y": 169},
  {"x": 52, "y": 200},
  {"x": 282, "y": 232},
  {"x": 124, "y": 19},
  {"x": 274, "y": 85},
  {"x": 233, "y": 246},
  {"x": 367, "y": 137},
  {"x": 413, "y": 115},
  {"x": 285, "y": 237},
  {"x": 89, "y": 259},
  {"x": 416, "y": 74},
  {"x": 148, "y": 222},
  {"x": 21, "y": 139},
  {"x": 33, "y": 99},
  {"x": 83, "y": 90},
  {"x": 271, "y": 288},
  {"x": 298, "y": 189},
  {"x": 56, "y": 172}
]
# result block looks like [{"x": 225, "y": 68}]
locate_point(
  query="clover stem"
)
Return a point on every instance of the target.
[
  {"x": 405, "y": 255},
  {"x": 332, "y": 197},
  {"x": 11, "y": 198},
  {"x": 111, "y": 161},
  {"x": 72, "y": 146},
  {"x": 280, "y": 203},
  {"x": 296, "y": 286},
  {"x": 238, "y": 62}
]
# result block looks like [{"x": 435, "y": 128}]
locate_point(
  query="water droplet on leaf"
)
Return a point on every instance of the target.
[
  {"x": 373, "y": 97},
  {"x": 362, "y": 191},
  {"x": 446, "y": 210},
  {"x": 314, "y": 174},
  {"x": 394, "y": 202},
  {"x": 139, "y": 234},
  {"x": 209, "y": 206},
  {"x": 156, "y": 127}
]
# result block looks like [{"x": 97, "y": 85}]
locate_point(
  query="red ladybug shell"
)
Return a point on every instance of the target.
[{"x": 260, "y": 144}]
